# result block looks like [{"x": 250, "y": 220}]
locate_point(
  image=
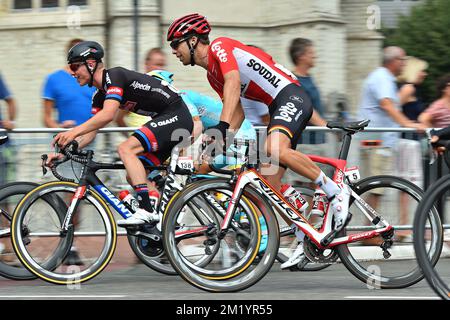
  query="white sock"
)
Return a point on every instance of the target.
[
  {"x": 298, "y": 232},
  {"x": 327, "y": 185}
]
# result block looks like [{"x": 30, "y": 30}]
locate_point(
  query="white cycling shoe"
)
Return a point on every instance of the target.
[
  {"x": 339, "y": 205},
  {"x": 297, "y": 258},
  {"x": 141, "y": 216}
]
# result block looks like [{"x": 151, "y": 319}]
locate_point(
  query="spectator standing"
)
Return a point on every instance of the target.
[
  {"x": 156, "y": 59},
  {"x": 409, "y": 83},
  {"x": 9, "y": 124},
  {"x": 6, "y": 95},
  {"x": 437, "y": 115},
  {"x": 303, "y": 56},
  {"x": 408, "y": 150},
  {"x": 6, "y": 161},
  {"x": 381, "y": 104},
  {"x": 61, "y": 92}
]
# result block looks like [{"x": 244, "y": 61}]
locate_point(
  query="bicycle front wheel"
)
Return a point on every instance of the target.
[
  {"x": 396, "y": 200},
  {"x": 43, "y": 247},
  {"x": 239, "y": 256},
  {"x": 10, "y": 195},
  {"x": 437, "y": 273}
]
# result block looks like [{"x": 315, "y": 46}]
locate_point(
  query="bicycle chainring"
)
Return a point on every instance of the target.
[
  {"x": 317, "y": 255},
  {"x": 148, "y": 247}
]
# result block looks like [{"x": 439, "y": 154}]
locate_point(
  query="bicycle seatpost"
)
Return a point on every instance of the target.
[{"x": 345, "y": 148}]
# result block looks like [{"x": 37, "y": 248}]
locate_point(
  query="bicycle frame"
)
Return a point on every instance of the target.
[
  {"x": 288, "y": 211},
  {"x": 88, "y": 179}
]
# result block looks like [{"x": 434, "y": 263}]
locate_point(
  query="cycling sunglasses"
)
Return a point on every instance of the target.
[
  {"x": 75, "y": 66},
  {"x": 176, "y": 43}
]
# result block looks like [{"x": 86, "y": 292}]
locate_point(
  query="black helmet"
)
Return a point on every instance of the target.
[{"x": 85, "y": 50}]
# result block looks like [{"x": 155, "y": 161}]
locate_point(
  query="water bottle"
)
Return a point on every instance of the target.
[
  {"x": 319, "y": 203},
  {"x": 129, "y": 201},
  {"x": 319, "y": 207},
  {"x": 154, "y": 198},
  {"x": 294, "y": 197}
]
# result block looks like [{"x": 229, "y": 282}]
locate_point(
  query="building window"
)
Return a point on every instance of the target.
[
  {"x": 77, "y": 2},
  {"x": 22, "y": 4},
  {"x": 49, "y": 3}
]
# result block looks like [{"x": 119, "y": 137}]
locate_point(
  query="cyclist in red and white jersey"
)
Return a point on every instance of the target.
[{"x": 235, "y": 70}]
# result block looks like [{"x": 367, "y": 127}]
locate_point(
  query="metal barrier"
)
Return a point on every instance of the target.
[{"x": 29, "y": 147}]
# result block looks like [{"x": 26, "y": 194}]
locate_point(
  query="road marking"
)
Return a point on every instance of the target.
[
  {"x": 66, "y": 296},
  {"x": 393, "y": 297}
]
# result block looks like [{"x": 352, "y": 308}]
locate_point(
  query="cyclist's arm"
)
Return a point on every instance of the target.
[
  {"x": 317, "y": 120},
  {"x": 120, "y": 120},
  {"x": 198, "y": 128},
  {"x": 231, "y": 100},
  {"x": 85, "y": 139}
]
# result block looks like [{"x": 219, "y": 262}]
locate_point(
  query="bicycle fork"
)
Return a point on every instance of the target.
[
  {"x": 387, "y": 231},
  {"x": 74, "y": 203}
]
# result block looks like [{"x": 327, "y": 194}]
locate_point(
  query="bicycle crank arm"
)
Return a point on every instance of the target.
[
  {"x": 330, "y": 237},
  {"x": 146, "y": 235}
]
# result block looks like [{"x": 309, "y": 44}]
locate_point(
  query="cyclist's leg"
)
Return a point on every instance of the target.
[{"x": 290, "y": 113}]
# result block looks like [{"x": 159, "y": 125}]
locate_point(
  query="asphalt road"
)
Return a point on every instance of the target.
[{"x": 137, "y": 282}]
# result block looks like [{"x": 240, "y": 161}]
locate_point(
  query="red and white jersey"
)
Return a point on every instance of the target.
[{"x": 261, "y": 77}]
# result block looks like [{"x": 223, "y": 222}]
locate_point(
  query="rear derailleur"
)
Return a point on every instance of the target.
[{"x": 387, "y": 243}]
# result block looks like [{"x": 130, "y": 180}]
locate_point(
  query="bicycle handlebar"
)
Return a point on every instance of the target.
[{"x": 434, "y": 145}]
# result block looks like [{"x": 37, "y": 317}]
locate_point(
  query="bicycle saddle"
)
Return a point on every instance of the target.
[{"x": 349, "y": 126}]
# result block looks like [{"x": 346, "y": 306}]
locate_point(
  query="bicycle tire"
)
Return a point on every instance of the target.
[
  {"x": 157, "y": 260},
  {"x": 246, "y": 276},
  {"x": 369, "y": 277},
  {"x": 19, "y": 188},
  {"x": 236, "y": 243},
  {"x": 432, "y": 276},
  {"x": 46, "y": 271}
]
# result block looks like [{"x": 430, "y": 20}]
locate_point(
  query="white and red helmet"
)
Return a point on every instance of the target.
[{"x": 189, "y": 24}]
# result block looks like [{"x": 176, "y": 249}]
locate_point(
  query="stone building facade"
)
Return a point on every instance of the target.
[{"x": 33, "y": 40}]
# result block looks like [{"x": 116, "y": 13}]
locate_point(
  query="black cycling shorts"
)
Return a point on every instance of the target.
[
  {"x": 161, "y": 134},
  {"x": 290, "y": 112}
]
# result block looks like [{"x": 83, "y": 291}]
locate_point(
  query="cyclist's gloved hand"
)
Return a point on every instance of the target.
[
  {"x": 218, "y": 132},
  {"x": 53, "y": 157}
]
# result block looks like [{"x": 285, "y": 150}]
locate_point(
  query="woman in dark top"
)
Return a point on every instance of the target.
[{"x": 412, "y": 77}]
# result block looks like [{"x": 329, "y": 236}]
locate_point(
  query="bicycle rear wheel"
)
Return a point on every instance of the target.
[
  {"x": 41, "y": 245},
  {"x": 388, "y": 195},
  {"x": 238, "y": 261},
  {"x": 436, "y": 273}
]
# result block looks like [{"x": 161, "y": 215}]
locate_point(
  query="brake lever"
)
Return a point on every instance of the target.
[
  {"x": 44, "y": 158},
  {"x": 431, "y": 151}
]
